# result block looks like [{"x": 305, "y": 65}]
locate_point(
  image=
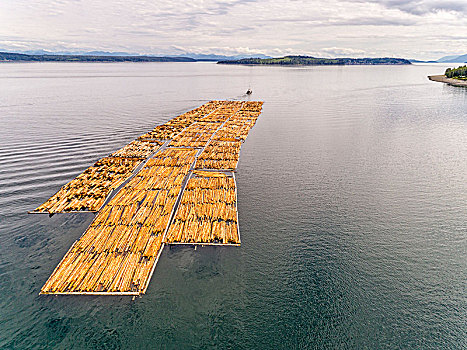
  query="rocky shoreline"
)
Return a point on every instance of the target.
[{"x": 449, "y": 81}]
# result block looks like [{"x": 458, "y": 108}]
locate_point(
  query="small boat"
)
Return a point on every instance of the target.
[{"x": 249, "y": 92}]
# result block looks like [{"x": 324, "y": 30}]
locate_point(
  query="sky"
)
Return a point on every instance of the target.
[{"x": 419, "y": 29}]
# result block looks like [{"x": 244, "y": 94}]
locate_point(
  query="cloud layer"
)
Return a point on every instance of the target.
[{"x": 405, "y": 28}]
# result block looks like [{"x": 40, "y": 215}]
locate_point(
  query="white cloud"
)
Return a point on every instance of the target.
[
  {"x": 404, "y": 28},
  {"x": 421, "y": 7}
]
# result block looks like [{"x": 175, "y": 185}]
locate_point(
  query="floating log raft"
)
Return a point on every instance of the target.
[{"x": 118, "y": 252}]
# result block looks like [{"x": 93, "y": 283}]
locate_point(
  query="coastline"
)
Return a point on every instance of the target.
[{"x": 449, "y": 81}]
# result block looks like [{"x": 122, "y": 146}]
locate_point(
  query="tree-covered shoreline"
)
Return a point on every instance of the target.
[
  {"x": 18, "y": 57},
  {"x": 313, "y": 61},
  {"x": 457, "y": 73}
]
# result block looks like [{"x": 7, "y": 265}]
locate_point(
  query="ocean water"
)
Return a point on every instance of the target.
[{"x": 352, "y": 193}]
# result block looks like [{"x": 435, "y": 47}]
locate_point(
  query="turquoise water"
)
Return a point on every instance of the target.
[{"x": 352, "y": 205}]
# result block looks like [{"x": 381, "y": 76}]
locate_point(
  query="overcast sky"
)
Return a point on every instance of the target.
[{"x": 423, "y": 29}]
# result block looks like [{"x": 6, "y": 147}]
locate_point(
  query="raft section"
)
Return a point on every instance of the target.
[
  {"x": 165, "y": 202},
  {"x": 207, "y": 213}
]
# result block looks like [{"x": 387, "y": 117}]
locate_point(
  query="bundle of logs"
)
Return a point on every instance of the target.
[
  {"x": 138, "y": 149},
  {"x": 196, "y": 135},
  {"x": 222, "y": 155},
  {"x": 224, "y": 112},
  {"x": 88, "y": 191},
  {"x": 207, "y": 212}
]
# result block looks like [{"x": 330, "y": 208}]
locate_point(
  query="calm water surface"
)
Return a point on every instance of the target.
[{"x": 352, "y": 206}]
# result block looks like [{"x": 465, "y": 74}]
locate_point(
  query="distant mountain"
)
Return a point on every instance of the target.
[
  {"x": 77, "y": 53},
  {"x": 105, "y": 53},
  {"x": 312, "y": 61},
  {"x": 17, "y": 57},
  {"x": 453, "y": 59},
  {"x": 446, "y": 58},
  {"x": 419, "y": 61},
  {"x": 198, "y": 57},
  {"x": 212, "y": 57}
]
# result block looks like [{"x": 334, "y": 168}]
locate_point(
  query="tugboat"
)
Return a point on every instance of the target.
[{"x": 249, "y": 92}]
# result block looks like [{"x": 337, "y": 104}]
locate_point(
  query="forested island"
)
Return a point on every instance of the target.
[
  {"x": 19, "y": 57},
  {"x": 313, "y": 61}
]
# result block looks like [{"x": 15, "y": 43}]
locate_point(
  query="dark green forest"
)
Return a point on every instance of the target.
[{"x": 457, "y": 73}]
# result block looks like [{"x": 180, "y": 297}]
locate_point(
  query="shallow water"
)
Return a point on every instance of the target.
[{"x": 352, "y": 205}]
